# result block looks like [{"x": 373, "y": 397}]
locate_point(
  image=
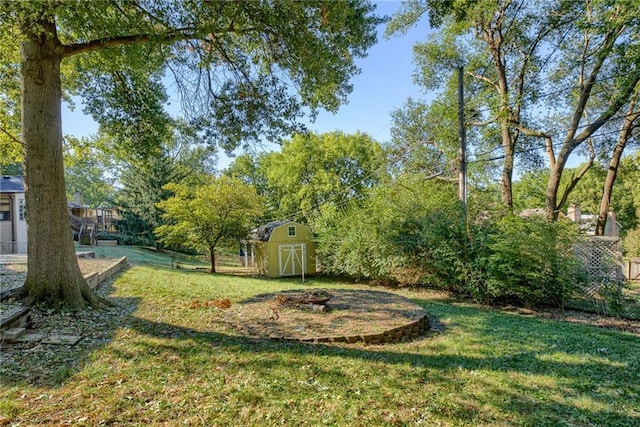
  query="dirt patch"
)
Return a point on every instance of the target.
[
  {"x": 593, "y": 319},
  {"x": 348, "y": 313}
]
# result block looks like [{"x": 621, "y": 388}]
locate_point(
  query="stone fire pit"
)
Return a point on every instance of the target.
[{"x": 336, "y": 315}]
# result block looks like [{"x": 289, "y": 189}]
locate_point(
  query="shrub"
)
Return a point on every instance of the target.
[
  {"x": 134, "y": 240},
  {"x": 631, "y": 243},
  {"x": 404, "y": 234},
  {"x": 433, "y": 242},
  {"x": 531, "y": 262}
]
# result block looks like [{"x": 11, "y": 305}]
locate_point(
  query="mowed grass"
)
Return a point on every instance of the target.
[
  {"x": 140, "y": 255},
  {"x": 170, "y": 365}
]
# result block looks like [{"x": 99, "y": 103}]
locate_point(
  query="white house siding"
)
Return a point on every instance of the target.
[{"x": 13, "y": 224}]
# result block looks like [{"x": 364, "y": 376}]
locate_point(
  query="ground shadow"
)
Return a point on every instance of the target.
[
  {"x": 581, "y": 377},
  {"x": 532, "y": 353},
  {"x": 34, "y": 363}
]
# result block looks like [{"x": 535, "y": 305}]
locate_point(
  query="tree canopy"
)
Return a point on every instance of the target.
[
  {"x": 312, "y": 171},
  {"x": 541, "y": 78}
]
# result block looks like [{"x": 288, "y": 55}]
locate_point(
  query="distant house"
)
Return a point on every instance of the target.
[
  {"x": 87, "y": 222},
  {"x": 284, "y": 248},
  {"x": 587, "y": 223},
  {"x": 13, "y": 224}
]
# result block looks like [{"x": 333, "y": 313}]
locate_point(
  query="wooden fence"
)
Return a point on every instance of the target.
[{"x": 631, "y": 270}]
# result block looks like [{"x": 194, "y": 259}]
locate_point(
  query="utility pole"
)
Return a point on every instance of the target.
[
  {"x": 462, "y": 169},
  {"x": 462, "y": 138}
]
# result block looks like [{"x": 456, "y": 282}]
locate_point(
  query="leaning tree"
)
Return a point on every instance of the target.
[{"x": 246, "y": 70}]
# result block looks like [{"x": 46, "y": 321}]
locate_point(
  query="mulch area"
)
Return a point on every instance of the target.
[
  {"x": 14, "y": 275},
  {"x": 348, "y": 312}
]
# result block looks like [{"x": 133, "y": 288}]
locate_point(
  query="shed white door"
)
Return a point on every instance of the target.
[{"x": 291, "y": 259}]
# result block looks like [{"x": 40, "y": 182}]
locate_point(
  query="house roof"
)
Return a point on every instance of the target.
[{"x": 11, "y": 184}]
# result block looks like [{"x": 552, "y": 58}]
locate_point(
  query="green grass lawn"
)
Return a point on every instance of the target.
[
  {"x": 145, "y": 256},
  {"x": 166, "y": 364}
]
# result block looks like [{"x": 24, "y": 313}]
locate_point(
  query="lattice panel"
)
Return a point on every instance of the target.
[{"x": 600, "y": 257}]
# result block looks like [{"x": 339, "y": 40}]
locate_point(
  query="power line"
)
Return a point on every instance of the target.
[
  {"x": 532, "y": 149},
  {"x": 562, "y": 90},
  {"x": 559, "y": 133}
]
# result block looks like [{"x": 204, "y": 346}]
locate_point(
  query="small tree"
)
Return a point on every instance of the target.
[{"x": 202, "y": 218}]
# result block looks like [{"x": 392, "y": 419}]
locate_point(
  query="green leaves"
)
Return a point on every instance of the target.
[
  {"x": 221, "y": 210},
  {"x": 10, "y": 144},
  {"x": 532, "y": 262}
]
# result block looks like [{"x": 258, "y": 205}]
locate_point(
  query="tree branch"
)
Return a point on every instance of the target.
[
  {"x": 484, "y": 123},
  {"x": 614, "y": 106},
  {"x": 587, "y": 86},
  {"x": 178, "y": 34},
  {"x": 481, "y": 78},
  {"x": 575, "y": 179},
  {"x": 109, "y": 42},
  {"x": 10, "y": 135},
  {"x": 539, "y": 134}
]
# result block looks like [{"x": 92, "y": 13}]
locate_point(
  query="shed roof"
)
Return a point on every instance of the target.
[
  {"x": 11, "y": 184},
  {"x": 263, "y": 233}
]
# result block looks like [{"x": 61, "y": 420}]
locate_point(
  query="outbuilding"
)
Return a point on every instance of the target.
[{"x": 284, "y": 248}]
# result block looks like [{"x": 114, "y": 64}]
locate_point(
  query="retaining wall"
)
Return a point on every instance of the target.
[
  {"x": 401, "y": 333},
  {"x": 19, "y": 316},
  {"x": 94, "y": 279}
]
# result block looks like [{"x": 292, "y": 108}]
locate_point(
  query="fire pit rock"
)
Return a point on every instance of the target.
[{"x": 316, "y": 297}]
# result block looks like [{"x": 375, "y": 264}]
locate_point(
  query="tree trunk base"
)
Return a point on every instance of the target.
[{"x": 76, "y": 296}]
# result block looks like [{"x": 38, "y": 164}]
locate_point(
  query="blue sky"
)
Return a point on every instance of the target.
[{"x": 384, "y": 84}]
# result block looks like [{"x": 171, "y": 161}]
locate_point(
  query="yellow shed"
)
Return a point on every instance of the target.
[{"x": 284, "y": 248}]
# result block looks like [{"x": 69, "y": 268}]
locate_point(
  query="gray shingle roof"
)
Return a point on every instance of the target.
[
  {"x": 11, "y": 184},
  {"x": 263, "y": 233}
]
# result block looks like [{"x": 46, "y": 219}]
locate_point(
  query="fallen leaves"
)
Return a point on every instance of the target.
[{"x": 221, "y": 303}]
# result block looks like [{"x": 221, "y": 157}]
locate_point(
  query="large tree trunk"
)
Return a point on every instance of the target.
[
  {"x": 555, "y": 175},
  {"x": 53, "y": 275}
]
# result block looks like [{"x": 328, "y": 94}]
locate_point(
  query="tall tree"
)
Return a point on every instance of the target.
[
  {"x": 423, "y": 139},
  {"x": 252, "y": 169},
  {"x": 630, "y": 124},
  {"x": 536, "y": 72},
  {"x": 312, "y": 170},
  {"x": 499, "y": 50},
  {"x": 601, "y": 61},
  {"x": 179, "y": 157},
  {"x": 239, "y": 59},
  {"x": 85, "y": 171},
  {"x": 221, "y": 210}
]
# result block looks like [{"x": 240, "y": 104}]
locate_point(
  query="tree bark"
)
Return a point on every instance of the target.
[
  {"x": 53, "y": 276},
  {"x": 506, "y": 181},
  {"x": 625, "y": 134},
  {"x": 553, "y": 206},
  {"x": 212, "y": 251}
]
